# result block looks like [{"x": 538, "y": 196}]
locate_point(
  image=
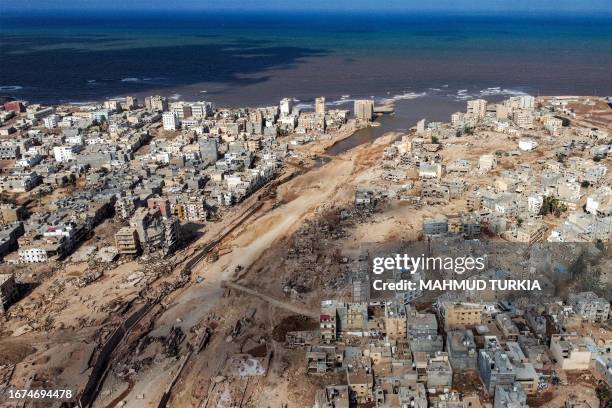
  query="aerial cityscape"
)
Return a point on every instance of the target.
[{"x": 386, "y": 211}]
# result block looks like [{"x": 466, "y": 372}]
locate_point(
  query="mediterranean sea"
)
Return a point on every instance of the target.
[{"x": 246, "y": 59}]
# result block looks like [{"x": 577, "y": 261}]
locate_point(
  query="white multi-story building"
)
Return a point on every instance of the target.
[
  {"x": 182, "y": 110},
  {"x": 526, "y": 102},
  {"x": 521, "y": 102},
  {"x": 65, "y": 153},
  {"x": 286, "y": 106},
  {"x": 594, "y": 172},
  {"x": 170, "y": 121},
  {"x": 51, "y": 121},
  {"x": 75, "y": 139},
  {"x": 201, "y": 109},
  {"x": 101, "y": 115},
  {"x": 527, "y": 144},
  {"x": 112, "y": 105}
]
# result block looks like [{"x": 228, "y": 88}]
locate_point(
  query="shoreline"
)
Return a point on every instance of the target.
[{"x": 193, "y": 93}]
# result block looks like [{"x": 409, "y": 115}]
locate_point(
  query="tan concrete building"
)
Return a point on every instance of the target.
[
  {"x": 364, "y": 110},
  {"x": 570, "y": 351},
  {"x": 361, "y": 383},
  {"x": 320, "y": 105},
  {"x": 10, "y": 213},
  {"x": 126, "y": 241},
  {"x": 395, "y": 321},
  {"x": 477, "y": 108},
  {"x": 461, "y": 315}
]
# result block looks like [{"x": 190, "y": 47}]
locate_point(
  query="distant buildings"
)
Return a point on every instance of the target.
[
  {"x": 600, "y": 202},
  {"x": 286, "y": 106},
  {"x": 156, "y": 103},
  {"x": 477, "y": 108},
  {"x": 170, "y": 121},
  {"x": 320, "y": 105},
  {"x": 14, "y": 106},
  {"x": 364, "y": 110},
  {"x": 10, "y": 151},
  {"x": 430, "y": 170},
  {"x": 553, "y": 125},
  {"x": 523, "y": 118},
  {"x": 51, "y": 121},
  {"x": 520, "y": 102}
]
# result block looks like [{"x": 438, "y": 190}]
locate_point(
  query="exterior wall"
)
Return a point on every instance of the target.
[
  {"x": 462, "y": 353},
  {"x": 8, "y": 291},
  {"x": 459, "y": 316},
  {"x": 492, "y": 375},
  {"x": 395, "y": 327},
  {"x": 33, "y": 255},
  {"x": 569, "y": 359}
]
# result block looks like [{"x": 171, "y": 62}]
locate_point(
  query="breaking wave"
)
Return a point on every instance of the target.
[
  {"x": 10, "y": 88},
  {"x": 463, "y": 94}
]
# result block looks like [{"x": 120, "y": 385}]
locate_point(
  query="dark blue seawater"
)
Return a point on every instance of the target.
[{"x": 255, "y": 58}]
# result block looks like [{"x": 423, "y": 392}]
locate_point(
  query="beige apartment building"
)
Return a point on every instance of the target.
[
  {"x": 461, "y": 315},
  {"x": 570, "y": 351}
]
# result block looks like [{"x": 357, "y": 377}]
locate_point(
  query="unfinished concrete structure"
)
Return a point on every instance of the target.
[
  {"x": 8, "y": 291},
  {"x": 510, "y": 396},
  {"x": 439, "y": 372},
  {"x": 590, "y": 306},
  {"x": 570, "y": 351},
  {"x": 495, "y": 369},
  {"x": 127, "y": 242},
  {"x": 461, "y": 349}
]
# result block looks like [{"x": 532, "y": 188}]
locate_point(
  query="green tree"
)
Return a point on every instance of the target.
[{"x": 552, "y": 205}]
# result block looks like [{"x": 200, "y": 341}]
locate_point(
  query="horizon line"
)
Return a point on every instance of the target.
[{"x": 467, "y": 12}]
